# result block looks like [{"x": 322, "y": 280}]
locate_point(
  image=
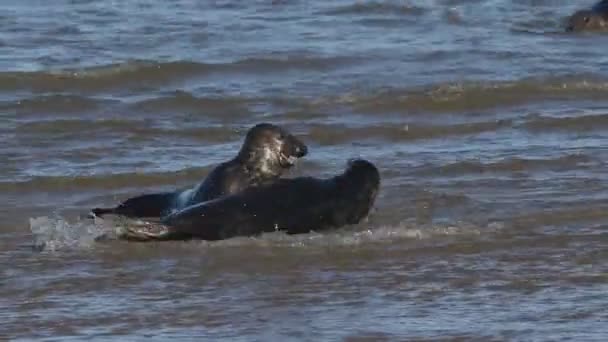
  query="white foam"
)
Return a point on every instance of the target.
[
  {"x": 54, "y": 233},
  {"x": 360, "y": 235}
]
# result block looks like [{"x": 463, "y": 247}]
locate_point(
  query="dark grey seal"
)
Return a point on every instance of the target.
[
  {"x": 592, "y": 19},
  {"x": 267, "y": 152},
  {"x": 296, "y": 205}
]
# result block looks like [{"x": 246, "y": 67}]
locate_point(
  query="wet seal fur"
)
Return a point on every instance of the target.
[
  {"x": 296, "y": 205},
  {"x": 592, "y": 19},
  {"x": 267, "y": 152}
]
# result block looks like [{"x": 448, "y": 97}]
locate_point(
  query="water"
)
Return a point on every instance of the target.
[{"x": 488, "y": 124}]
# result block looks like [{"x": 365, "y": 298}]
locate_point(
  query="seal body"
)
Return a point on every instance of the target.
[
  {"x": 267, "y": 152},
  {"x": 296, "y": 205},
  {"x": 592, "y": 19}
]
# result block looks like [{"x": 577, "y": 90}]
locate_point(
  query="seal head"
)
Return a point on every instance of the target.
[
  {"x": 592, "y": 19},
  {"x": 587, "y": 20},
  {"x": 269, "y": 149}
]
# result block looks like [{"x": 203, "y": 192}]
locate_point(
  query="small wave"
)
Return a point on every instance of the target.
[
  {"x": 562, "y": 216},
  {"x": 355, "y": 236},
  {"x": 77, "y": 126},
  {"x": 336, "y": 134},
  {"x": 539, "y": 27},
  {"x": 55, "y": 233},
  {"x": 566, "y": 162},
  {"x": 374, "y": 7},
  {"x": 201, "y": 134},
  {"x": 123, "y": 75},
  {"x": 105, "y": 181},
  {"x": 134, "y": 129},
  {"x": 575, "y": 124},
  {"x": 284, "y": 62},
  {"x": 145, "y": 74},
  {"x": 475, "y": 96},
  {"x": 181, "y": 101},
  {"x": 53, "y": 103},
  {"x": 402, "y": 231}
]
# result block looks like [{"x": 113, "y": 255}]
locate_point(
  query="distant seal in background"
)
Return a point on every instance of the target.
[
  {"x": 592, "y": 19},
  {"x": 295, "y": 205},
  {"x": 267, "y": 152}
]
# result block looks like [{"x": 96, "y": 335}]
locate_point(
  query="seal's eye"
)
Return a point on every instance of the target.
[{"x": 586, "y": 19}]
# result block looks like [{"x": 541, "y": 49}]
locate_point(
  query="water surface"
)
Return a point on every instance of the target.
[{"x": 488, "y": 124}]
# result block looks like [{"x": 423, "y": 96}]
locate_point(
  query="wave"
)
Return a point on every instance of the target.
[
  {"x": 134, "y": 129},
  {"x": 575, "y": 124},
  {"x": 567, "y": 162},
  {"x": 140, "y": 74},
  {"x": 590, "y": 212},
  {"x": 105, "y": 181},
  {"x": 282, "y": 62},
  {"x": 374, "y": 7},
  {"x": 474, "y": 95},
  {"x": 57, "y": 103},
  {"x": 355, "y": 236},
  {"x": 56, "y": 233},
  {"x": 444, "y": 97},
  {"x": 175, "y": 102},
  {"x": 181, "y": 101},
  {"x": 122, "y": 75},
  {"x": 77, "y": 126},
  {"x": 338, "y": 133}
]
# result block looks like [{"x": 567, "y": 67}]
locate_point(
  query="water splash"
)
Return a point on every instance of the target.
[
  {"x": 358, "y": 235},
  {"x": 55, "y": 232}
]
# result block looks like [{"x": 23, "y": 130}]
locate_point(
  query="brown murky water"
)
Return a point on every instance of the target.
[{"x": 489, "y": 126}]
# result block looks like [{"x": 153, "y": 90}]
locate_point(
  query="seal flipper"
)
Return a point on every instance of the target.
[
  {"x": 150, "y": 205},
  {"x": 100, "y": 212}
]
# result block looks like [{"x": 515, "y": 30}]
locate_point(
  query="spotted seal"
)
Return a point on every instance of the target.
[
  {"x": 295, "y": 205},
  {"x": 592, "y": 19},
  {"x": 267, "y": 152}
]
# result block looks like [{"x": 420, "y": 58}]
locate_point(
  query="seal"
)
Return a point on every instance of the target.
[
  {"x": 592, "y": 19},
  {"x": 267, "y": 152},
  {"x": 294, "y": 205}
]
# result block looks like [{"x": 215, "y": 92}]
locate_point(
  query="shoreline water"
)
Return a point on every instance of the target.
[{"x": 487, "y": 122}]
